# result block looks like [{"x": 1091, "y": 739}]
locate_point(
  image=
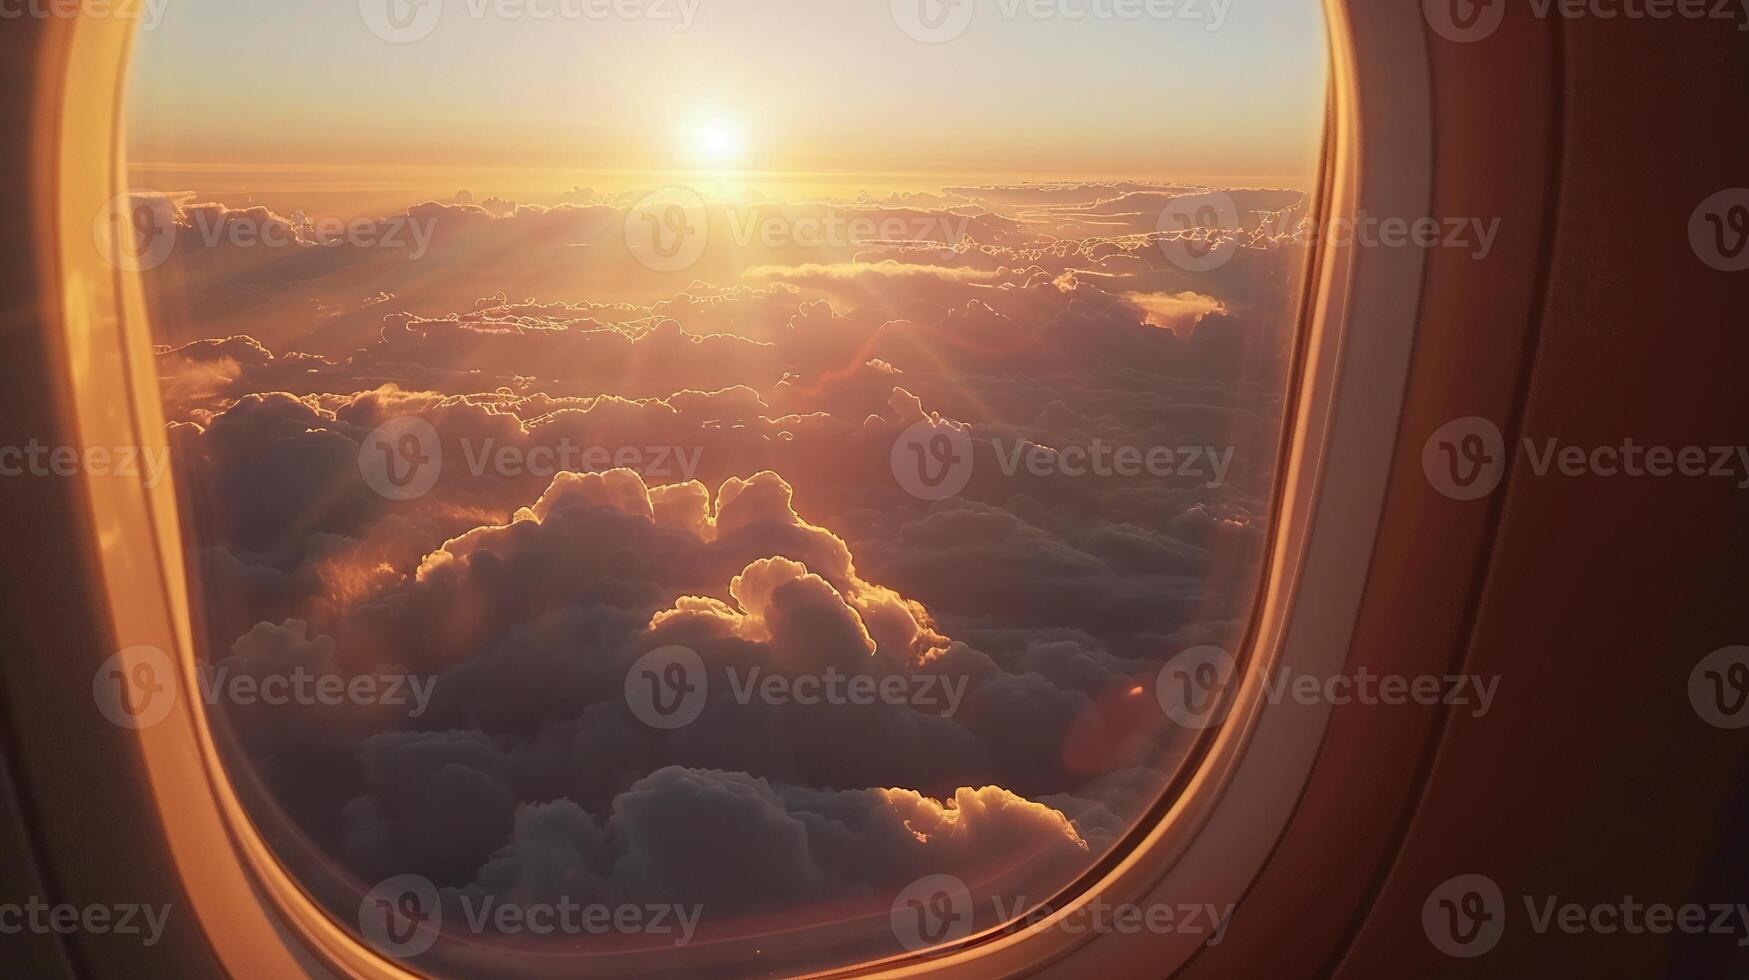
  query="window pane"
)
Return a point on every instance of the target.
[{"x": 731, "y": 489}]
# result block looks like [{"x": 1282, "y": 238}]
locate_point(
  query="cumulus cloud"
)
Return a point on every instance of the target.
[
  {"x": 530, "y": 627},
  {"x": 1177, "y": 312},
  {"x": 757, "y": 521}
]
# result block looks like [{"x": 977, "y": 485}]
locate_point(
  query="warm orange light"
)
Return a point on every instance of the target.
[{"x": 718, "y": 143}]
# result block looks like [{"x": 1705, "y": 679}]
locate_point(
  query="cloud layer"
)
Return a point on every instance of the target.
[{"x": 712, "y": 460}]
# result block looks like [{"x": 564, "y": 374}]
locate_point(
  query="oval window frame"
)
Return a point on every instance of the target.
[{"x": 1210, "y": 840}]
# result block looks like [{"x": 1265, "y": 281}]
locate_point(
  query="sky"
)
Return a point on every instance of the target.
[{"x": 239, "y": 95}]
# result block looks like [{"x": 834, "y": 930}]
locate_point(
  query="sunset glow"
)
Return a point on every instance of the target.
[
  {"x": 788, "y": 442},
  {"x": 270, "y": 98},
  {"x": 717, "y": 142}
]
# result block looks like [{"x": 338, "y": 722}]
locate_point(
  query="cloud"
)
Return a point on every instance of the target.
[
  {"x": 1177, "y": 312},
  {"x": 530, "y": 627},
  {"x": 761, "y": 524}
]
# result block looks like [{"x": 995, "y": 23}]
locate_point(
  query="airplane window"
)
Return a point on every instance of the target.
[{"x": 740, "y": 489}]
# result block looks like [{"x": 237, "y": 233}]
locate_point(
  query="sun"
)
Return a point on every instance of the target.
[{"x": 717, "y": 142}]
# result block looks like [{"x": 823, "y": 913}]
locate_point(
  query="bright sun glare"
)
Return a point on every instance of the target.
[{"x": 718, "y": 142}]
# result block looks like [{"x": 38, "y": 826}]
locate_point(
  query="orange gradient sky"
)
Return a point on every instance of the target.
[{"x": 283, "y": 98}]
